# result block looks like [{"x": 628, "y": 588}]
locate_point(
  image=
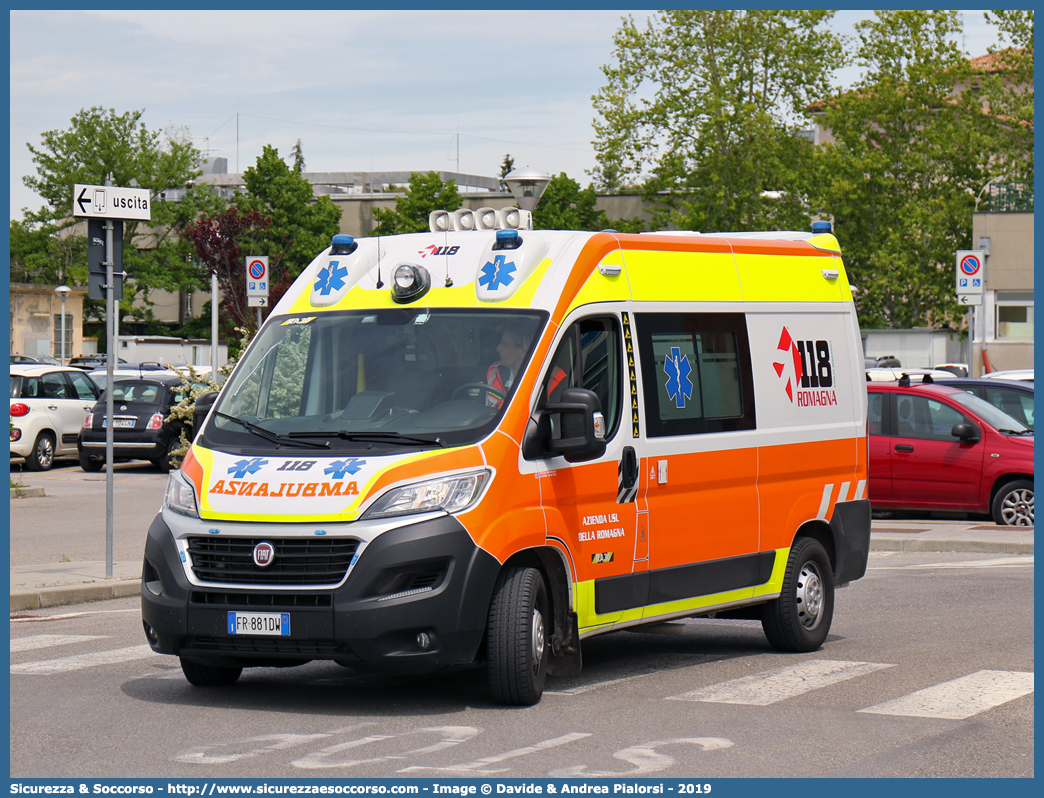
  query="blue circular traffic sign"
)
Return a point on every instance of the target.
[{"x": 970, "y": 264}]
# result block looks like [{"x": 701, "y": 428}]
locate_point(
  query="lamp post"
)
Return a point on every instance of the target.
[
  {"x": 527, "y": 185},
  {"x": 63, "y": 291}
]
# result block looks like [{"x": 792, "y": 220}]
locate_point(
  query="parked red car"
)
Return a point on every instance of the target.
[{"x": 934, "y": 447}]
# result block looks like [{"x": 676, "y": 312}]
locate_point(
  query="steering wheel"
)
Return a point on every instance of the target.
[{"x": 481, "y": 387}]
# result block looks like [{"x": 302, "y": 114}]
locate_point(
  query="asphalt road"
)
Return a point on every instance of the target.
[{"x": 927, "y": 673}]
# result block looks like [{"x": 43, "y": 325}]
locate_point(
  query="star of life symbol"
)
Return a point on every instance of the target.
[
  {"x": 244, "y": 467},
  {"x": 678, "y": 385},
  {"x": 786, "y": 344},
  {"x": 338, "y": 468},
  {"x": 330, "y": 278},
  {"x": 497, "y": 273}
]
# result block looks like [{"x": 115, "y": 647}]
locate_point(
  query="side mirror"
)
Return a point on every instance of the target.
[
  {"x": 967, "y": 433},
  {"x": 200, "y": 411},
  {"x": 582, "y": 428}
]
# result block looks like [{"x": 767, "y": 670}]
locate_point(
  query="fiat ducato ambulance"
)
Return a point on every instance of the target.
[{"x": 483, "y": 444}]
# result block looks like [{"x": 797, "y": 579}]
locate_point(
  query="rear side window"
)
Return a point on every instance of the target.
[
  {"x": 875, "y": 414},
  {"x": 696, "y": 372},
  {"x": 54, "y": 386},
  {"x": 83, "y": 387}
]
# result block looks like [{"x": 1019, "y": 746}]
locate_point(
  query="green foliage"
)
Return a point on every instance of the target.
[
  {"x": 426, "y": 193},
  {"x": 507, "y": 166},
  {"x": 908, "y": 159},
  {"x": 301, "y": 224},
  {"x": 564, "y": 206},
  {"x": 703, "y": 107},
  {"x": 1008, "y": 93},
  {"x": 49, "y": 245}
]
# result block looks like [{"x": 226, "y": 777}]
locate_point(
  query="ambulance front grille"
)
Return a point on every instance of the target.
[{"x": 296, "y": 561}]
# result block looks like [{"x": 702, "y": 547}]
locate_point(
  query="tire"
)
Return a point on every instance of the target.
[
  {"x": 799, "y": 620},
  {"x": 517, "y": 638},
  {"x": 41, "y": 458},
  {"x": 88, "y": 463},
  {"x": 1013, "y": 504},
  {"x": 163, "y": 463},
  {"x": 208, "y": 675}
]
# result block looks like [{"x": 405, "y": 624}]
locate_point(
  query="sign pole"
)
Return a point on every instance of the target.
[
  {"x": 109, "y": 294},
  {"x": 213, "y": 327}
]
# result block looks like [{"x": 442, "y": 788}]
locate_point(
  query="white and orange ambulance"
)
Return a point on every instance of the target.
[{"x": 486, "y": 443}]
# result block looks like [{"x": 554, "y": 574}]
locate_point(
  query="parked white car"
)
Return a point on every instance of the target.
[
  {"x": 48, "y": 407},
  {"x": 892, "y": 374},
  {"x": 1023, "y": 375}
]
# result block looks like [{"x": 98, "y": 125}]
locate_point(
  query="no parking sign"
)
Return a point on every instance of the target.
[
  {"x": 970, "y": 276},
  {"x": 257, "y": 278}
]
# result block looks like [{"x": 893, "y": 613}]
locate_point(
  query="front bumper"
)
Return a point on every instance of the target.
[{"x": 368, "y": 618}]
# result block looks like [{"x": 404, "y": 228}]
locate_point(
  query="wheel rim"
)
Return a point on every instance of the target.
[
  {"x": 810, "y": 595},
  {"x": 44, "y": 451},
  {"x": 538, "y": 642},
  {"x": 1017, "y": 508}
]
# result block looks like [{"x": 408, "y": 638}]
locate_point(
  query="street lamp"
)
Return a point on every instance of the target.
[
  {"x": 63, "y": 291},
  {"x": 528, "y": 186}
]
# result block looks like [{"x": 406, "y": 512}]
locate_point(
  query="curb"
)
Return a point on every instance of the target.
[
  {"x": 26, "y": 493},
  {"x": 73, "y": 594},
  {"x": 979, "y": 546}
]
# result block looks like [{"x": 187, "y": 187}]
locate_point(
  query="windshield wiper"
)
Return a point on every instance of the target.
[
  {"x": 375, "y": 436},
  {"x": 1016, "y": 432},
  {"x": 268, "y": 435}
]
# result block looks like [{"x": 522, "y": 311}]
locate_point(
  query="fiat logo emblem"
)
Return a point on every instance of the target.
[{"x": 264, "y": 553}]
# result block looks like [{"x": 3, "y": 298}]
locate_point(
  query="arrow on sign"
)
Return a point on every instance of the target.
[{"x": 81, "y": 200}]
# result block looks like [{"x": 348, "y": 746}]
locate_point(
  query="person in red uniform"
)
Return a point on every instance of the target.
[{"x": 501, "y": 375}]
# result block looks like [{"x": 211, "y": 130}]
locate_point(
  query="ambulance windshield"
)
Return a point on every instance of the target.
[{"x": 375, "y": 379}]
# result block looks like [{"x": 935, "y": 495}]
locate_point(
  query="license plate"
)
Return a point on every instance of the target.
[
  {"x": 119, "y": 422},
  {"x": 259, "y": 623}
]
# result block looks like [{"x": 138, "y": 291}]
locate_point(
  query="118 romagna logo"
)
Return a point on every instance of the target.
[{"x": 812, "y": 380}]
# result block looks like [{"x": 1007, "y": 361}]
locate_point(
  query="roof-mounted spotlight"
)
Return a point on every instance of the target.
[
  {"x": 409, "y": 283},
  {"x": 527, "y": 185}
]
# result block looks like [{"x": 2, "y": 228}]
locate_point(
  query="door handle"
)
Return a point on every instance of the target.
[
  {"x": 629, "y": 467},
  {"x": 52, "y": 407},
  {"x": 903, "y": 447}
]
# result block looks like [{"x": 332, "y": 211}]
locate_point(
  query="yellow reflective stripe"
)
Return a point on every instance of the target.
[
  {"x": 658, "y": 276},
  {"x": 787, "y": 278},
  {"x": 774, "y": 585}
]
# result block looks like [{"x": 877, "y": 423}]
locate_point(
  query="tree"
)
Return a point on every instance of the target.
[
  {"x": 98, "y": 144},
  {"x": 506, "y": 168},
  {"x": 1008, "y": 93},
  {"x": 565, "y": 207},
  {"x": 901, "y": 177},
  {"x": 221, "y": 241},
  {"x": 426, "y": 193},
  {"x": 703, "y": 109},
  {"x": 301, "y": 225}
]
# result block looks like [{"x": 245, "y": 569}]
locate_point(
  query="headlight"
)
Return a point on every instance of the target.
[
  {"x": 450, "y": 494},
  {"x": 180, "y": 497}
]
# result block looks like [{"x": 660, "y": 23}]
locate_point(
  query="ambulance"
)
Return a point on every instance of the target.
[{"x": 483, "y": 444}]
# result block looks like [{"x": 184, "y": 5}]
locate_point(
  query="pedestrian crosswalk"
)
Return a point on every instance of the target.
[{"x": 955, "y": 699}]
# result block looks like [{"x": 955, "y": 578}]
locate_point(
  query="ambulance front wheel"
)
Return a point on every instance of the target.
[
  {"x": 517, "y": 636},
  {"x": 799, "y": 619}
]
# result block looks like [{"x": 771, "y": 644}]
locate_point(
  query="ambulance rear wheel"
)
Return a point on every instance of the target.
[
  {"x": 517, "y": 637},
  {"x": 208, "y": 675},
  {"x": 799, "y": 619}
]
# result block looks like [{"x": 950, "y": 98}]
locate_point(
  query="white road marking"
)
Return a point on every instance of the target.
[
  {"x": 998, "y": 562},
  {"x": 44, "y": 641},
  {"x": 960, "y": 698},
  {"x": 66, "y": 664},
  {"x": 771, "y": 687},
  {"x": 479, "y": 766}
]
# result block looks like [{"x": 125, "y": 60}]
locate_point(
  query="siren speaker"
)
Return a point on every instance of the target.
[
  {"x": 440, "y": 222},
  {"x": 463, "y": 219}
]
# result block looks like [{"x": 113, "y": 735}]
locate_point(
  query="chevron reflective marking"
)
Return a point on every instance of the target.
[
  {"x": 81, "y": 661},
  {"x": 860, "y": 489},
  {"x": 824, "y": 505},
  {"x": 45, "y": 641},
  {"x": 771, "y": 687},
  {"x": 960, "y": 698}
]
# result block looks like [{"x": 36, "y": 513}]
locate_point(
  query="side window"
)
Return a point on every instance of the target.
[
  {"x": 927, "y": 419},
  {"x": 83, "y": 388},
  {"x": 875, "y": 414},
  {"x": 54, "y": 386},
  {"x": 589, "y": 357},
  {"x": 1016, "y": 404},
  {"x": 696, "y": 372},
  {"x": 31, "y": 388}
]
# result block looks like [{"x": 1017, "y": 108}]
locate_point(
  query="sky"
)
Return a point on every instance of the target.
[{"x": 412, "y": 90}]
